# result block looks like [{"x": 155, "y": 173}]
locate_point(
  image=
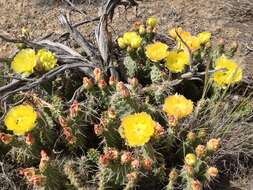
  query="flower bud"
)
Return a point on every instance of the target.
[
  {"x": 149, "y": 29},
  {"x": 233, "y": 49},
  {"x": 27, "y": 172},
  {"x": 173, "y": 175},
  {"x": 136, "y": 42},
  {"x": 43, "y": 161},
  {"x": 97, "y": 73},
  {"x": 125, "y": 93},
  {"x": 63, "y": 122},
  {"x": 190, "y": 159},
  {"x": 74, "y": 108},
  {"x": 173, "y": 33},
  {"x": 112, "y": 80},
  {"x": 202, "y": 134},
  {"x": 208, "y": 45},
  {"x": 87, "y": 83},
  {"x": 234, "y": 45},
  {"x": 104, "y": 160},
  {"x": 213, "y": 145},
  {"x": 29, "y": 139},
  {"x": 135, "y": 164},
  {"x": 221, "y": 45},
  {"x": 134, "y": 82},
  {"x": 111, "y": 113},
  {"x": 142, "y": 30},
  {"x": 152, "y": 22},
  {"x": 6, "y": 138},
  {"x": 126, "y": 157},
  {"x": 148, "y": 163},
  {"x": 69, "y": 135},
  {"x": 112, "y": 154},
  {"x": 104, "y": 121},
  {"x": 196, "y": 185},
  {"x": 38, "y": 180},
  {"x": 191, "y": 137},
  {"x": 189, "y": 170},
  {"x": 20, "y": 45},
  {"x": 120, "y": 86},
  {"x": 130, "y": 49},
  {"x": 25, "y": 32},
  {"x": 159, "y": 130},
  {"x": 121, "y": 43},
  {"x": 200, "y": 151},
  {"x": 102, "y": 84},
  {"x": 132, "y": 176},
  {"x": 98, "y": 130},
  {"x": 212, "y": 172},
  {"x": 172, "y": 120},
  {"x": 137, "y": 24}
]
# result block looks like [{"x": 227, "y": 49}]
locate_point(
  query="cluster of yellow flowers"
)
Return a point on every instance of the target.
[
  {"x": 26, "y": 61},
  {"x": 133, "y": 40},
  {"x": 228, "y": 71},
  {"x": 138, "y": 128},
  {"x": 176, "y": 60},
  {"x": 193, "y": 42},
  {"x": 21, "y": 119}
]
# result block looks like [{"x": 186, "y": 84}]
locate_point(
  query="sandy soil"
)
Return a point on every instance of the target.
[{"x": 228, "y": 19}]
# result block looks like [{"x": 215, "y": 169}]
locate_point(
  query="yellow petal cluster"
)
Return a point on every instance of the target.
[
  {"x": 46, "y": 59},
  {"x": 137, "y": 128},
  {"x": 178, "y": 106},
  {"x": 121, "y": 43},
  {"x": 193, "y": 42},
  {"x": 131, "y": 39},
  {"x": 21, "y": 119},
  {"x": 228, "y": 72},
  {"x": 204, "y": 37},
  {"x": 156, "y": 51},
  {"x": 24, "y": 62},
  {"x": 152, "y": 22},
  {"x": 177, "y": 60},
  {"x": 190, "y": 159}
]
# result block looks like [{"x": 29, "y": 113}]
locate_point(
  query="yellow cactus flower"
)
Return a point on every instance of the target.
[
  {"x": 204, "y": 37},
  {"x": 200, "y": 150},
  {"x": 142, "y": 29},
  {"x": 121, "y": 43},
  {"x": 24, "y": 62},
  {"x": 178, "y": 106},
  {"x": 192, "y": 42},
  {"x": 196, "y": 185},
  {"x": 128, "y": 36},
  {"x": 190, "y": 159},
  {"x": 136, "y": 42},
  {"x": 156, "y": 51},
  {"x": 213, "y": 144},
  {"x": 152, "y": 22},
  {"x": 21, "y": 119},
  {"x": 212, "y": 172},
  {"x": 183, "y": 34},
  {"x": 231, "y": 74},
  {"x": 46, "y": 59},
  {"x": 176, "y": 61},
  {"x": 173, "y": 33},
  {"x": 137, "y": 128}
]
